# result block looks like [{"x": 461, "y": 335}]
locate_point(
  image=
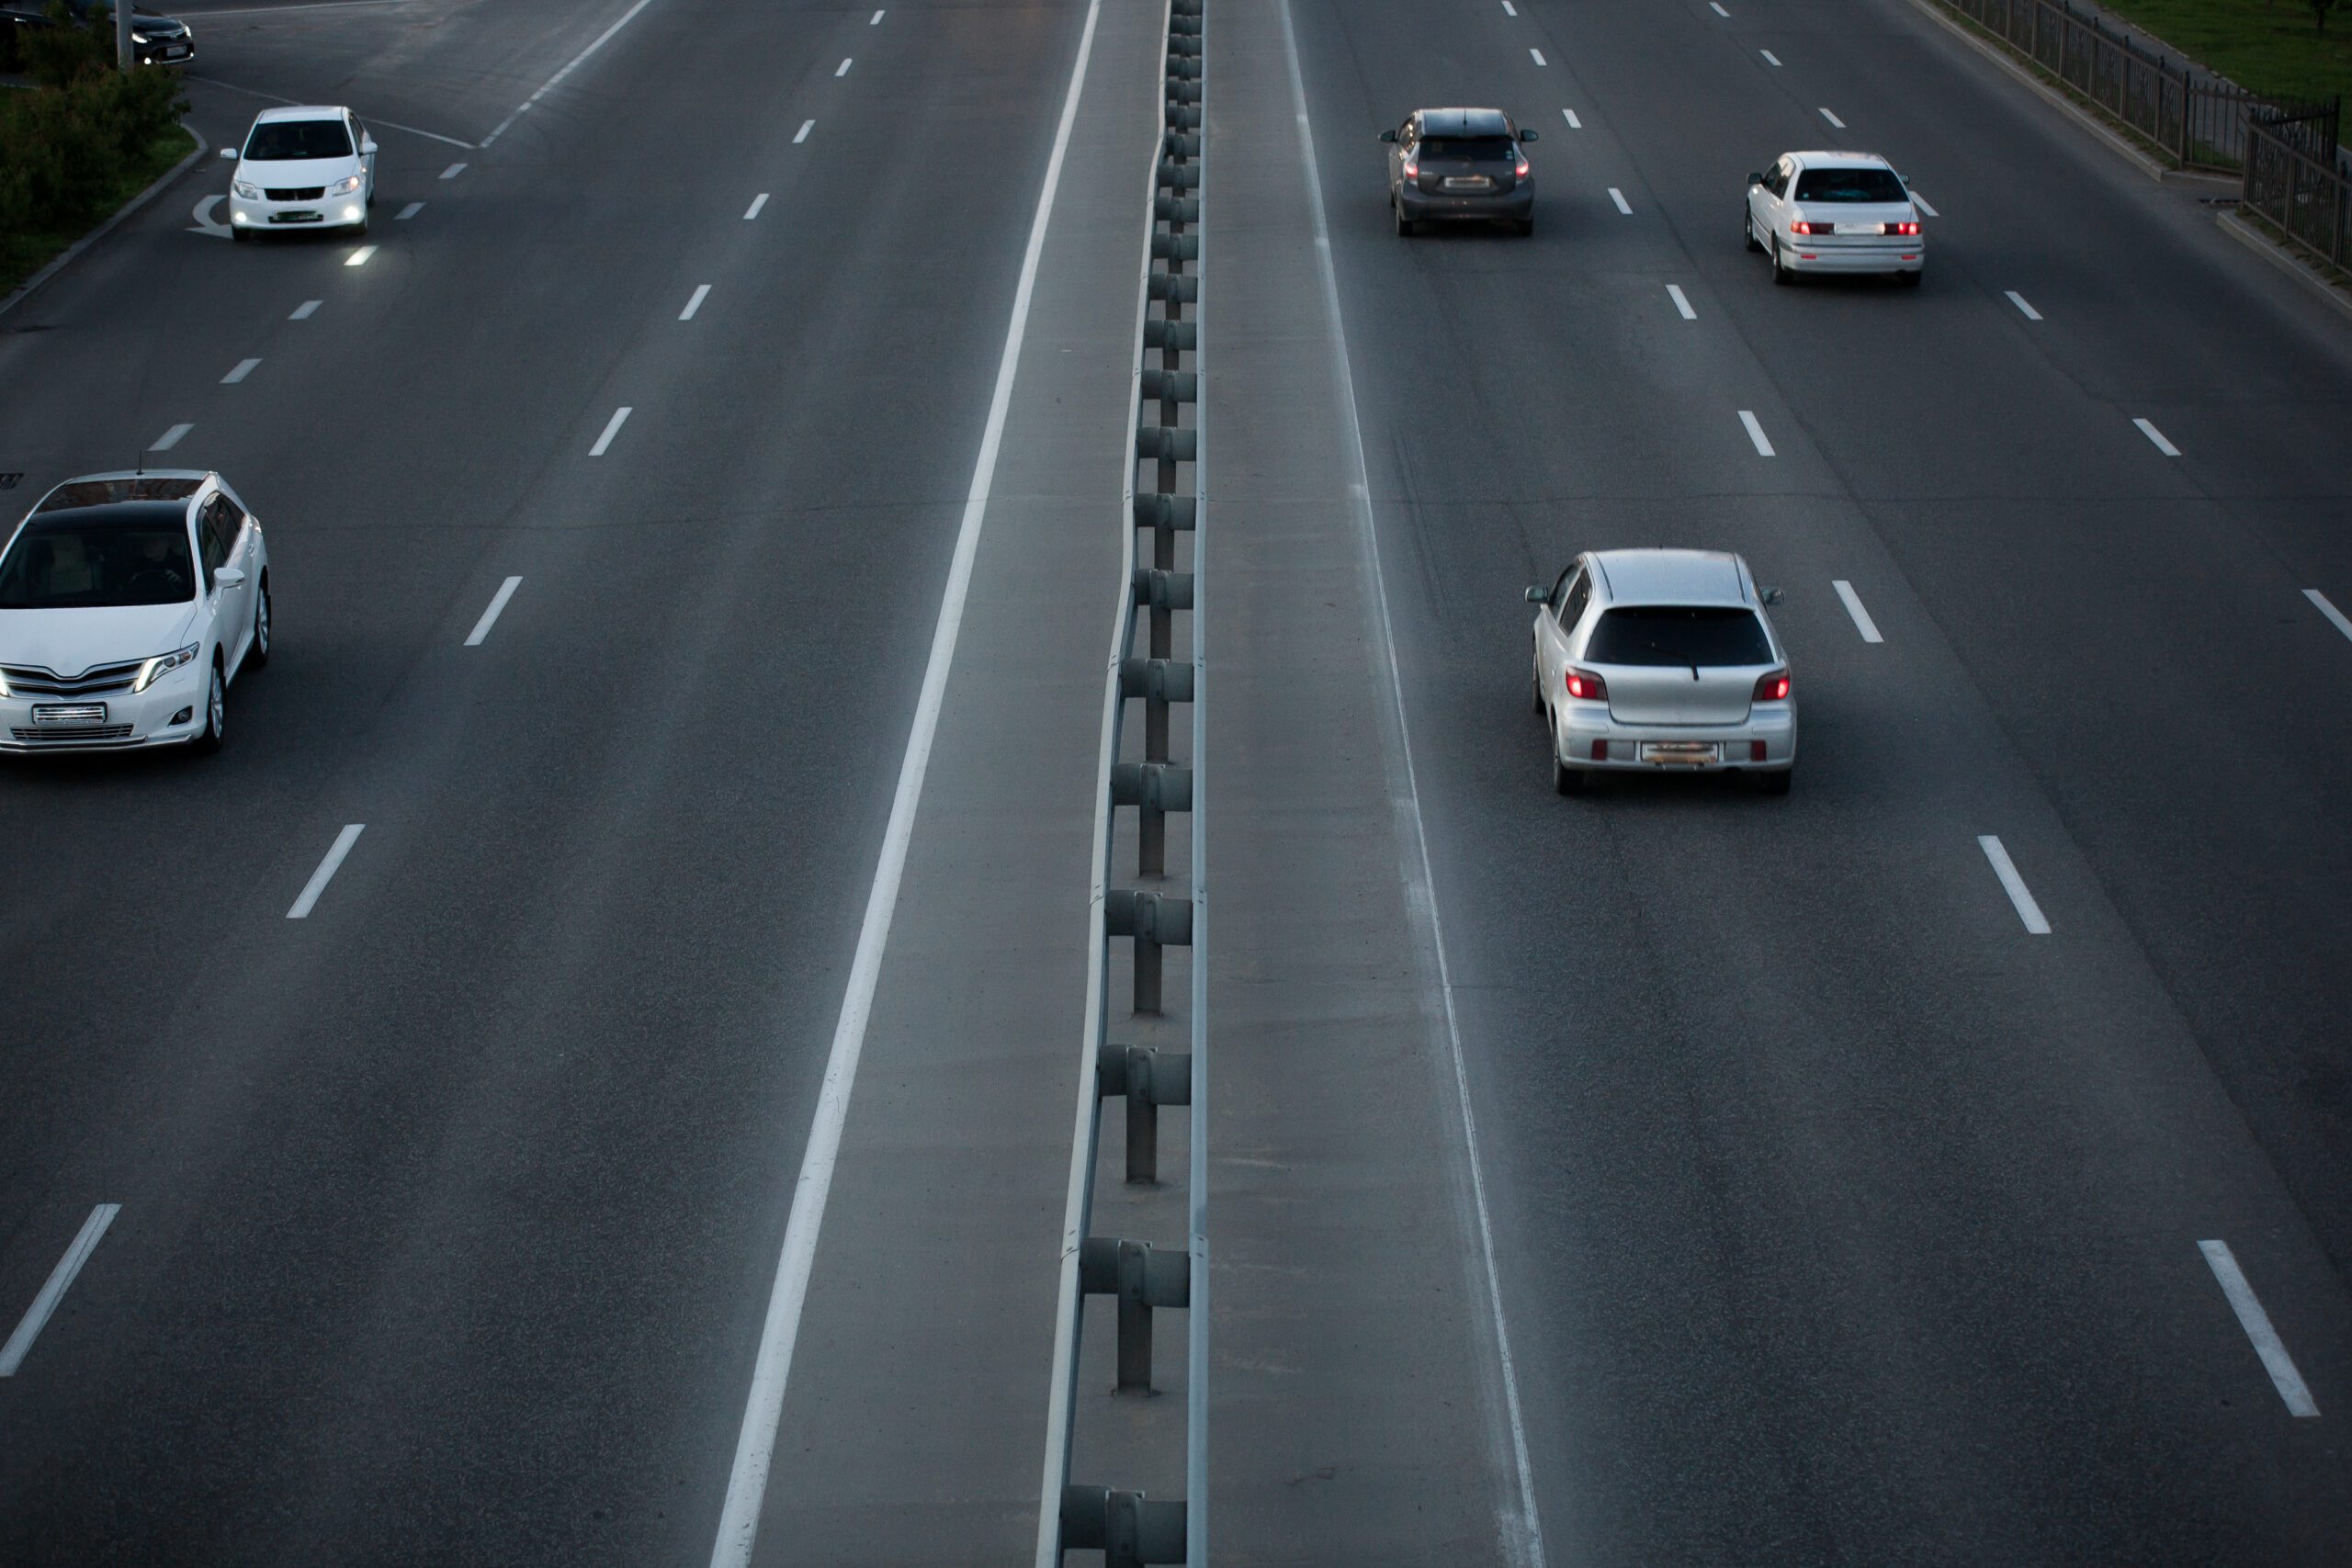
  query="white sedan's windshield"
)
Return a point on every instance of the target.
[{"x": 286, "y": 140}]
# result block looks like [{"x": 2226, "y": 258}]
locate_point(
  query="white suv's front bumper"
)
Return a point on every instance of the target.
[{"x": 128, "y": 719}]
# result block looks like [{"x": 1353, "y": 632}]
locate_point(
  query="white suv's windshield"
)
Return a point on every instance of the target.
[
  {"x": 286, "y": 140},
  {"x": 99, "y": 560}
]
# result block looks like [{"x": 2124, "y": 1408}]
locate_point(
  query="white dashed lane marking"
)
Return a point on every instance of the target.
[
  {"x": 753, "y": 210},
  {"x": 1619, "y": 198},
  {"x": 490, "y": 616},
  {"x": 406, "y": 213},
  {"x": 306, "y": 310},
  {"x": 2152, "y": 434},
  {"x": 2005, "y": 869},
  {"x": 1833, "y": 120},
  {"x": 243, "y": 369},
  {"x": 1862, "y": 622},
  {"x": 325, "y": 874},
  {"x": 453, "y": 171},
  {"x": 1756, "y": 433},
  {"x": 2335, "y": 617},
  {"x": 37, "y": 1316},
  {"x": 2028, "y": 312},
  {"x": 702, "y": 292},
  {"x": 170, "y": 438},
  {"x": 1681, "y": 303},
  {"x": 612, "y": 428},
  {"x": 2256, "y": 1323}
]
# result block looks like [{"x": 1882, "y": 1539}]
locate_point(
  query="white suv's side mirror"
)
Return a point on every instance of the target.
[
  {"x": 229, "y": 577},
  {"x": 368, "y": 145},
  {"x": 228, "y": 152}
]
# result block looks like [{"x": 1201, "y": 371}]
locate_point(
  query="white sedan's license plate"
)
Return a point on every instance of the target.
[
  {"x": 1860, "y": 227},
  {"x": 1683, "y": 752}
]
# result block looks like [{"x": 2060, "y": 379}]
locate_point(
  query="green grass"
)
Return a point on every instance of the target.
[
  {"x": 21, "y": 255},
  {"x": 2265, "y": 46}
]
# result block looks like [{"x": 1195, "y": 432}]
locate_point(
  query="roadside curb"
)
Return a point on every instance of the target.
[
  {"x": 2279, "y": 256},
  {"x": 58, "y": 265}
]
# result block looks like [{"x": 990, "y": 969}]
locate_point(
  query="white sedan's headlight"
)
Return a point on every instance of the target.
[
  {"x": 162, "y": 664},
  {"x": 138, "y": 38},
  {"x": 250, "y": 193},
  {"x": 345, "y": 185}
]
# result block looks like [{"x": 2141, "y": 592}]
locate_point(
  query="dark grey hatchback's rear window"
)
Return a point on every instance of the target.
[
  {"x": 1495, "y": 149},
  {"x": 1679, "y": 634},
  {"x": 1849, "y": 185}
]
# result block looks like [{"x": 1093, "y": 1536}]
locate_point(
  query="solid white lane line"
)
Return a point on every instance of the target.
[
  {"x": 1422, "y": 895},
  {"x": 359, "y": 257},
  {"x": 2152, "y": 434},
  {"x": 1833, "y": 120},
  {"x": 764, "y": 1406},
  {"x": 1756, "y": 433},
  {"x": 574, "y": 63},
  {"x": 1681, "y": 303},
  {"x": 1862, "y": 622},
  {"x": 1537, "y": 54},
  {"x": 490, "y": 616},
  {"x": 170, "y": 438},
  {"x": 2256, "y": 1323},
  {"x": 1619, "y": 198},
  {"x": 801, "y": 135},
  {"x": 753, "y": 210},
  {"x": 2018, "y": 299},
  {"x": 325, "y": 874},
  {"x": 1573, "y": 123},
  {"x": 306, "y": 310},
  {"x": 842, "y": 70},
  {"x": 1768, "y": 55},
  {"x": 244, "y": 368},
  {"x": 702, "y": 292},
  {"x": 1921, "y": 203},
  {"x": 406, "y": 213},
  {"x": 2005, "y": 869},
  {"x": 453, "y": 171},
  {"x": 36, "y": 1316},
  {"x": 612, "y": 428},
  {"x": 2329, "y": 610}
]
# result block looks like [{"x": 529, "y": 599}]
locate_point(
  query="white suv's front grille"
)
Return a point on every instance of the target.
[{"x": 29, "y": 680}]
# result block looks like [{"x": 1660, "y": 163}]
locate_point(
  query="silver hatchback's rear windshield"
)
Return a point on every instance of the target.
[
  {"x": 98, "y": 560},
  {"x": 1849, "y": 185},
  {"x": 284, "y": 141},
  {"x": 1696, "y": 635}
]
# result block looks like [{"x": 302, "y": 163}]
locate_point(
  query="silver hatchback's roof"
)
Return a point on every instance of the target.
[{"x": 1672, "y": 577}]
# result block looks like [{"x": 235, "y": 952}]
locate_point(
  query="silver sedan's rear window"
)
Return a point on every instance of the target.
[
  {"x": 1696, "y": 635},
  {"x": 1849, "y": 185}
]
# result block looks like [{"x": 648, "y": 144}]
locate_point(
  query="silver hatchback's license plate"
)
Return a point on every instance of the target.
[
  {"x": 73, "y": 714},
  {"x": 1684, "y": 752}
]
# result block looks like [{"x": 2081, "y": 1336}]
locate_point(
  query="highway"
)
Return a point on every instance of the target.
[{"x": 693, "y": 565}]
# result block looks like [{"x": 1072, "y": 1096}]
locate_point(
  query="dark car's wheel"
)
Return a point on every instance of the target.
[
  {"x": 216, "y": 714},
  {"x": 1526, "y": 228},
  {"x": 257, "y": 654},
  {"x": 1404, "y": 224},
  {"x": 1747, "y": 230}
]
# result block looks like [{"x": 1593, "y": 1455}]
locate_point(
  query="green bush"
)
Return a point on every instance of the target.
[{"x": 66, "y": 147}]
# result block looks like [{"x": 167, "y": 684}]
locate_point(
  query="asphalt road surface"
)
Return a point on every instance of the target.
[{"x": 1828, "y": 1210}]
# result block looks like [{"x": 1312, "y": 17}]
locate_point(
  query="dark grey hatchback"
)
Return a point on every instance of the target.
[{"x": 1458, "y": 165}]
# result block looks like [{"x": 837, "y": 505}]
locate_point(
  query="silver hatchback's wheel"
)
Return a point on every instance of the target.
[{"x": 216, "y": 714}]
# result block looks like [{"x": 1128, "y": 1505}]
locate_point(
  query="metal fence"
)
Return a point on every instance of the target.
[
  {"x": 2200, "y": 121},
  {"x": 1163, "y": 508},
  {"x": 2308, "y": 199}
]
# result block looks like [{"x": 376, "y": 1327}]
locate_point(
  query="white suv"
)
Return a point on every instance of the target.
[
  {"x": 308, "y": 167},
  {"x": 127, "y": 604}
]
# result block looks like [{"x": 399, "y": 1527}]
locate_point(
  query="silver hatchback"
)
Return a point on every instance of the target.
[{"x": 1662, "y": 660}]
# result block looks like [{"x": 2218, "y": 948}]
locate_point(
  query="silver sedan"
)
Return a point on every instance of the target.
[
  {"x": 1835, "y": 212},
  {"x": 1662, "y": 660}
]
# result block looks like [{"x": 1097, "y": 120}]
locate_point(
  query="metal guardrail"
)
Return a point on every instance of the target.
[
  {"x": 1125, "y": 1526},
  {"x": 2308, "y": 201},
  {"x": 2200, "y": 121}
]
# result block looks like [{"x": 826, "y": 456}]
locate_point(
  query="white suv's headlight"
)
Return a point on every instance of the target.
[
  {"x": 162, "y": 664},
  {"x": 138, "y": 37},
  {"x": 345, "y": 185},
  {"x": 249, "y": 192}
]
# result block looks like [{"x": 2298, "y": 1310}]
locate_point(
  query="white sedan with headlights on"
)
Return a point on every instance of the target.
[
  {"x": 128, "y": 604},
  {"x": 1662, "y": 660},
  {"x": 1835, "y": 212},
  {"x": 307, "y": 168}
]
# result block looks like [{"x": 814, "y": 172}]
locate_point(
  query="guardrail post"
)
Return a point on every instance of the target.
[
  {"x": 1148, "y": 1078},
  {"x": 1129, "y": 1528},
  {"x": 1155, "y": 921},
  {"x": 1142, "y": 1278}
]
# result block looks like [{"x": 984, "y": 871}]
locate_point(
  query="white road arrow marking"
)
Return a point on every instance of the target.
[{"x": 204, "y": 223}]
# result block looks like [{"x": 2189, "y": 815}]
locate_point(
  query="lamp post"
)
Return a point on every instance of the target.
[{"x": 123, "y": 34}]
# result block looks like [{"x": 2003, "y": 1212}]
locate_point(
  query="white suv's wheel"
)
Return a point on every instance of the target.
[{"x": 216, "y": 714}]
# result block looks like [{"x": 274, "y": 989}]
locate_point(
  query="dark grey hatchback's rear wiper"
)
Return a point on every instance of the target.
[{"x": 1679, "y": 658}]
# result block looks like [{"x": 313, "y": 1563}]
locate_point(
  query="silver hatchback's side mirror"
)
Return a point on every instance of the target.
[
  {"x": 1772, "y": 596},
  {"x": 1538, "y": 594}
]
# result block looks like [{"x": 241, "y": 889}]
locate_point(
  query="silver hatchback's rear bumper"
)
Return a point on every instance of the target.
[{"x": 1587, "y": 737}]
